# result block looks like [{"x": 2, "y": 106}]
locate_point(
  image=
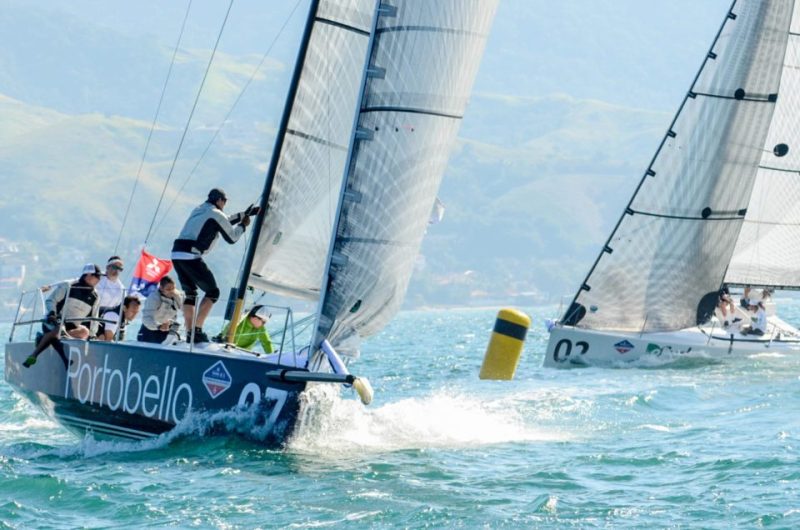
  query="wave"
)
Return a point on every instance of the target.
[
  {"x": 330, "y": 421},
  {"x": 445, "y": 419}
]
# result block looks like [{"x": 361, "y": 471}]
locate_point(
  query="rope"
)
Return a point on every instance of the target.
[
  {"x": 230, "y": 111},
  {"x": 188, "y": 122},
  {"x": 152, "y": 127}
]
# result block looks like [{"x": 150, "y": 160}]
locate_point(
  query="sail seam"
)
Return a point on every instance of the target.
[
  {"x": 770, "y": 223},
  {"x": 776, "y": 286},
  {"x": 315, "y": 139},
  {"x": 411, "y": 110},
  {"x": 429, "y": 29},
  {"x": 342, "y": 25},
  {"x": 373, "y": 241},
  {"x": 779, "y": 169}
]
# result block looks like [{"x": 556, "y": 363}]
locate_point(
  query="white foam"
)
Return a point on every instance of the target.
[
  {"x": 659, "y": 428},
  {"x": 442, "y": 420}
]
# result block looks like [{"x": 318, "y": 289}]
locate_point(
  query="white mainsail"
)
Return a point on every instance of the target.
[
  {"x": 423, "y": 62},
  {"x": 768, "y": 250},
  {"x": 675, "y": 239},
  {"x": 293, "y": 244}
]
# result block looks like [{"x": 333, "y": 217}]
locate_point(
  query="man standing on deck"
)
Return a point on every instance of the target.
[{"x": 205, "y": 224}]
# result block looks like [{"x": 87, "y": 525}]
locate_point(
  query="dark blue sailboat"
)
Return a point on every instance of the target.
[{"x": 377, "y": 95}]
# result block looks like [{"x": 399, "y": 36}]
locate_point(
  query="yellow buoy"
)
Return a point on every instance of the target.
[{"x": 505, "y": 346}]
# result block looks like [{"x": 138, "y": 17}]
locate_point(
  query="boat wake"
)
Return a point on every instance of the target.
[
  {"x": 446, "y": 419},
  {"x": 674, "y": 361},
  {"x": 330, "y": 421},
  {"x": 248, "y": 423}
]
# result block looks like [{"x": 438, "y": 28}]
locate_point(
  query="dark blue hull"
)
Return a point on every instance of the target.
[{"x": 136, "y": 391}]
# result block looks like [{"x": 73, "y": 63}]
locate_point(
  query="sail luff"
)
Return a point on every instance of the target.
[{"x": 571, "y": 314}]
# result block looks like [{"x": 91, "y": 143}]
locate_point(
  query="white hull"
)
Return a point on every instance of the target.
[{"x": 569, "y": 346}]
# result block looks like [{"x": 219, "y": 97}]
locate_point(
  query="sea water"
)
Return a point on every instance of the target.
[{"x": 689, "y": 444}]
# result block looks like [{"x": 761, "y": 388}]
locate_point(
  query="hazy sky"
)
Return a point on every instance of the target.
[
  {"x": 628, "y": 61},
  {"x": 650, "y": 48}
]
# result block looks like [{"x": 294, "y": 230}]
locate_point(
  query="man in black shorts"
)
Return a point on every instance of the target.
[{"x": 205, "y": 224}]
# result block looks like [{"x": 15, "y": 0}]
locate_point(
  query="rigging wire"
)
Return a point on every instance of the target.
[
  {"x": 230, "y": 111},
  {"x": 152, "y": 127},
  {"x": 189, "y": 121}
]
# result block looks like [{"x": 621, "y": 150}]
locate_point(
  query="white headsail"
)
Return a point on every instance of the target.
[
  {"x": 422, "y": 64},
  {"x": 675, "y": 239},
  {"x": 293, "y": 244},
  {"x": 768, "y": 249}
]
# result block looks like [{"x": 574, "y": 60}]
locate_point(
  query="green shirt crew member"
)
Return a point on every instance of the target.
[{"x": 252, "y": 328}]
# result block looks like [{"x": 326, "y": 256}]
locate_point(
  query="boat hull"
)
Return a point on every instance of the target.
[
  {"x": 570, "y": 347},
  {"x": 138, "y": 391}
]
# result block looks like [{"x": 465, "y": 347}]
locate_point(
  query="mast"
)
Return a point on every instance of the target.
[{"x": 273, "y": 166}]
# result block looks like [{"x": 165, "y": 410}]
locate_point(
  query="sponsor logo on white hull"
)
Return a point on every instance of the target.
[{"x": 128, "y": 391}]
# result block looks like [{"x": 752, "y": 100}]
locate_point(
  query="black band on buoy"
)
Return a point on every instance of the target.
[{"x": 510, "y": 329}]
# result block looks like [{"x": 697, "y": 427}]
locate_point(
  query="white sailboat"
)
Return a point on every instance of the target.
[
  {"x": 375, "y": 102},
  {"x": 717, "y": 206}
]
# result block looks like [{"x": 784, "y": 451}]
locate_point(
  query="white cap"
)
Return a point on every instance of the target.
[
  {"x": 91, "y": 268},
  {"x": 263, "y": 313}
]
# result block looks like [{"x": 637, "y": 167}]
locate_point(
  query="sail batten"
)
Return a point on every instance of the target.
[{"x": 697, "y": 188}]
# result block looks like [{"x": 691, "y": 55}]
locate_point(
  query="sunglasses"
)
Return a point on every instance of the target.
[{"x": 116, "y": 267}]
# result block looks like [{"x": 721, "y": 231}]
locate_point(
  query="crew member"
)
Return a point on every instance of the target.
[
  {"x": 252, "y": 328},
  {"x": 111, "y": 292},
  {"x": 160, "y": 314},
  {"x": 130, "y": 308},
  {"x": 70, "y": 302},
  {"x": 197, "y": 238}
]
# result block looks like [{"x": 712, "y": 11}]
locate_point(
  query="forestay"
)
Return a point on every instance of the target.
[
  {"x": 422, "y": 65},
  {"x": 292, "y": 248},
  {"x": 677, "y": 235},
  {"x": 768, "y": 249}
]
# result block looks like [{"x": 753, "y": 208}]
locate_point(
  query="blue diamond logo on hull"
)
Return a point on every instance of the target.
[
  {"x": 623, "y": 346},
  {"x": 217, "y": 379}
]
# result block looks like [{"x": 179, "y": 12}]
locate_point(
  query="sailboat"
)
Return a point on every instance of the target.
[
  {"x": 716, "y": 209},
  {"x": 376, "y": 98}
]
